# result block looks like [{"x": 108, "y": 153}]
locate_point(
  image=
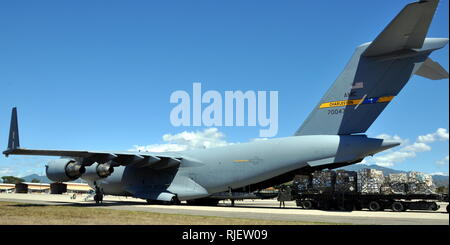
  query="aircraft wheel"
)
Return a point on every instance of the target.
[
  {"x": 175, "y": 201},
  {"x": 374, "y": 206}
]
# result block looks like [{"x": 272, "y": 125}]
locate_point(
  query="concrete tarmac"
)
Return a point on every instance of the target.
[{"x": 250, "y": 209}]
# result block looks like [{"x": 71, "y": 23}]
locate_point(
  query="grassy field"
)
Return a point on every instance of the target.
[{"x": 32, "y": 214}]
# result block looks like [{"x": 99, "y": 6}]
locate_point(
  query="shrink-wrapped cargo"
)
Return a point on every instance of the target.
[
  {"x": 398, "y": 182},
  {"x": 370, "y": 181},
  {"x": 420, "y": 183},
  {"x": 322, "y": 181},
  {"x": 302, "y": 183},
  {"x": 365, "y": 181},
  {"x": 345, "y": 181}
]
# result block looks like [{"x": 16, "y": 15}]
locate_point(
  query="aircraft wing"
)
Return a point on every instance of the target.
[{"x": 137, "y": 159}]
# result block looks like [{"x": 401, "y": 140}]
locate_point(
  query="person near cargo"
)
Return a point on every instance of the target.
[
  {"x": 284, "y": 194},
  {"x": 279, "y": 198}
]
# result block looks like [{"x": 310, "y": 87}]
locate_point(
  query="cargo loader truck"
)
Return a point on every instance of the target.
[{"x": 350, "y": 190}]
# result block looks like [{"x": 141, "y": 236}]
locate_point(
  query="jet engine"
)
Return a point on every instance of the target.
[
  {"x": 61, "y": 170},
  {"x": 98, "y": 171}
]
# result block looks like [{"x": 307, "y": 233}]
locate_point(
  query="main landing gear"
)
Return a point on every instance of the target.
[{"x": 98, "y": 198}]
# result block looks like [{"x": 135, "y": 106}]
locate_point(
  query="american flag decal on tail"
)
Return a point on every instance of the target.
[{"x": 358, "y": 85}]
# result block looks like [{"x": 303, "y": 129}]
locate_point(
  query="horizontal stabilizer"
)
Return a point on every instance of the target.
[
  {"x": 432, "y": 70},
  {"x": 406, "y": 31}
]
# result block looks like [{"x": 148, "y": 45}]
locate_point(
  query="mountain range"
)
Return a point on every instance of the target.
[
  {"x": 438, "y": 180},
  {"x": 43, "y": 179}
]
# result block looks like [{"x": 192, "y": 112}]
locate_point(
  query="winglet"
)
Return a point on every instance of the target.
[{"x": 13, "y": 142}]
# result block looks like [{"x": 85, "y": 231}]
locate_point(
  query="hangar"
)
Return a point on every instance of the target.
[
  {"x": 53, "y": 188},
  {"x": 28, "y": 187},
  {"x": 8, "y": 188},
  {"x": 69, "y": 187}
]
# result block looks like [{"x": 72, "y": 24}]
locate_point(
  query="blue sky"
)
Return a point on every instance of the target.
[{"x": 98, "y": 75}]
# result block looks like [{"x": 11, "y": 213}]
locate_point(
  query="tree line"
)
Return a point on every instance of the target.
[{"x": 16, "y": 180}]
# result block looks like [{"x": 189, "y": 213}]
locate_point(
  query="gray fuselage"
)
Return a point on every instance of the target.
[{"x": 204, "y": 172}]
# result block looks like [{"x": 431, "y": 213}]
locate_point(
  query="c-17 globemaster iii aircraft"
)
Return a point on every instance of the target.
[{"x": 332, "y": 136}]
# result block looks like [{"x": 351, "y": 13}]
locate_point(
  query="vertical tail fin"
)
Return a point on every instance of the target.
[
  {"x": 406, "y": 31},
  {"x": 13, "y": 142},
  {"x": 376, "y": 73}
]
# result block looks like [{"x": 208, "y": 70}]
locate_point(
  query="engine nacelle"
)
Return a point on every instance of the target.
[
  {"x": 61, "y": 170},
  {"x": 98, "y": 171}
]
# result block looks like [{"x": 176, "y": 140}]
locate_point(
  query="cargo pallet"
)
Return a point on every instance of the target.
[{"x": 349, "y": 201}]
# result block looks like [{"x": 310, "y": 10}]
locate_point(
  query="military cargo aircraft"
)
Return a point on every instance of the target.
[{"x": 332, "y": 136}]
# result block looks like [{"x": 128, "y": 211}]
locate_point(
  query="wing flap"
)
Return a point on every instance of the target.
[{"x": 140, "y": 160}]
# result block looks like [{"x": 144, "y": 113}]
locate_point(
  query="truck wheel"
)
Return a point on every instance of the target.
[
  {"x": 203, "y": 202},
  {"x": 374, "y": 206},
  {"x": 398, "y": 207},
  {"x": 433, "y": 206},
  {"x": 307, "y": 204},
  {"x": 349, "y": 206},
  {"x": 447, "y": 208}
]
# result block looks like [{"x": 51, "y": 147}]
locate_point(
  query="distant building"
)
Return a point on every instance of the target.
[
  {"x": 70, "y": 187},
  {"x": 7, "y": 188},
  {"x": 53, "y": 188},
  {"x": 78, "y": 187},
  {"x": 28, "y": 187}
]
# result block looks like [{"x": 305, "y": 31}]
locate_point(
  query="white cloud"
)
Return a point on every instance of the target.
[
  {"x": 408, "y": 151},
  {"x": 441, "y": 134},
  {"x": 443, "y": 161},
  {"x": 5, "y": 171},
  {"x": 416, "y": 147},
  {"x": 394, "y": 138},
  {"x": 363, "y": 162},
  {"x": 389, "y": 159},
  {"x": 160, "y": 147},
  {"x": 208, "y": 138},
  {"x": 385, "y": 164},
  {"x": 258, "y": 139},
  {"x": 440, "y": 173}
]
